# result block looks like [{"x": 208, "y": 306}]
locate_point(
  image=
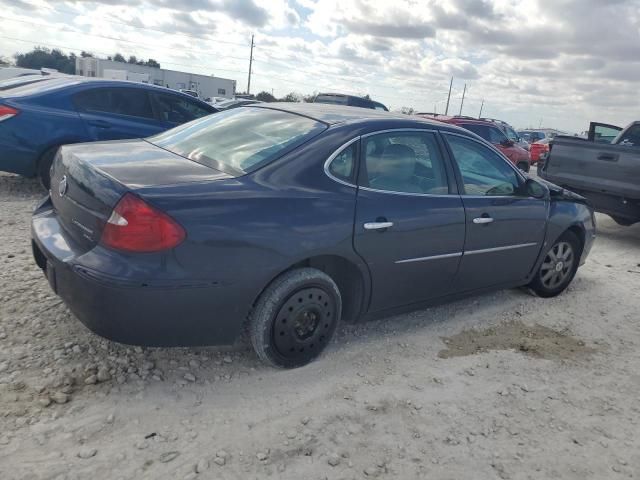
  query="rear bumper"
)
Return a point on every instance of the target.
[{"x": 129, "y": 308}]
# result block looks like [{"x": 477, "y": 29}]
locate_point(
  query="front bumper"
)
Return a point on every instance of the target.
[{"x": 130, "y": 308}]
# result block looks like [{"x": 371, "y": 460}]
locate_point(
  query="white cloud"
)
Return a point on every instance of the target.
[{"x": 566, "y": 61}]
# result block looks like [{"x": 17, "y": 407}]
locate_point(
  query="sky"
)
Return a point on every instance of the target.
[{"x": 549, "y": 63}]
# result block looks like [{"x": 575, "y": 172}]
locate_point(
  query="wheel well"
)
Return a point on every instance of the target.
[
  {"x": 348, "y": 278},
  {"x": 579, "y": 232}
]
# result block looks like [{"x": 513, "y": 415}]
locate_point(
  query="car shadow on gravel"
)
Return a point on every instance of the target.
[{"x": 19, "y": 188}]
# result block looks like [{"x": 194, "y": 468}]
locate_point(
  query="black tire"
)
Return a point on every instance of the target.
[
  {"x": 524, "y": 166},
  {"x": 558, "y": 267},
  {"x": 295, "y": 318},
  {"x": 44, "y": 167},
  {"x": 625, "y": 222}
]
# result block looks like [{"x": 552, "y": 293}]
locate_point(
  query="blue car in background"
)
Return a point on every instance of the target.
[{"x": 38, "y": 115}]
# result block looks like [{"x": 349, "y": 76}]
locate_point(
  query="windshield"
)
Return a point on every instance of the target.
[{"x": 240, "y": 140}]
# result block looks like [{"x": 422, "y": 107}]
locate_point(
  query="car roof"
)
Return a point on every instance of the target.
[
  {"x": 52, "y": 83},
  {"x": 335, "y": 114}
]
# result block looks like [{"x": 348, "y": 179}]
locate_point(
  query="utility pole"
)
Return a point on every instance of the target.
[
  {"x": 462, "y": 102},
  {"x": 446, "y": 111},
  {"x": 250, "y": 63},
  {"x": 481, "y": 105}
]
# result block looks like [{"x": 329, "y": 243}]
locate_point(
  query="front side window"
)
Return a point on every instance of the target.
[
  {"x": 407, "y": 162},
  {"x": 175, "y": 109},
  {"x": 343, "y": 165},
  {"x": 496, "y": 135},
  {"x": 133, "y": 102},
  {"x": 222, "y": 91},
  {"x": 483, "y": 171},
  {"x": 511, "y": 135},
  {"x": 239, "y": 140}
]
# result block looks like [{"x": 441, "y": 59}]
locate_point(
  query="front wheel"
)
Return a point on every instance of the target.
[
  {"x": 295, "y": 318},
  {"x": 558, "y": 267}
]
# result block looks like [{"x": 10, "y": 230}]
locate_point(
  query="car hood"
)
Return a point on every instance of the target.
[{"x": 139, "y": 164}]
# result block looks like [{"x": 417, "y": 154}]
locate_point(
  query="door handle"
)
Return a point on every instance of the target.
[
  {"x": 481, "y": 220},
  {"x": 99, "y": 123},
  {"x": 377, "y": 225},
  {"x": 608, "y": 157}
]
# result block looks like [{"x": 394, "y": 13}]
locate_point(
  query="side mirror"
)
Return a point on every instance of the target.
[
  {"x": 507, "y": 143},
  {"x": 534, "y": 189}
]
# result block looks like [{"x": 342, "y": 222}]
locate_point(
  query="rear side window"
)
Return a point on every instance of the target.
[
  {"x": 175, "y": 109},
  {"x": 239, "y": 140},
  {"x": 342, "y": 166},
  {"x": 133, "y": 102},
  {"x": 487, "y": 132}
]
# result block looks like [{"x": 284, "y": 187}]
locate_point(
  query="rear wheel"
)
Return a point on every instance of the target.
[
  {"x": 44, "y": 166},
  {"x": 558, "y": 267},
  {"x": 295, "y": 318}
]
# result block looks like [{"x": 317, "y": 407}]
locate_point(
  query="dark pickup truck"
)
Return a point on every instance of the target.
[{"x": 604, "y": 168}]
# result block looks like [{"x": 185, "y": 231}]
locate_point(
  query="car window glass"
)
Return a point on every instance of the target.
[
  {"x": 631, "y": 137},
  {"x": 407, "y": 162},
  {"x": 343, "y": 164},
  {"x": 132, "y": 102},
  {"x": 496, "y": 135},
  {"x": 511, "y": 135},
  {"x": 483, "y": 171},
  {"x": 175, "y": 109},
  {"x": 480, "y": 130}
]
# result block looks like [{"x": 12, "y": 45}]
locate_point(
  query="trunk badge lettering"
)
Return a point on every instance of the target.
[{"x": 62, "y": 187}]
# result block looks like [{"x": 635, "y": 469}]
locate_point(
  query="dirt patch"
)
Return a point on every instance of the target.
[{"x": 536, "y": 340}]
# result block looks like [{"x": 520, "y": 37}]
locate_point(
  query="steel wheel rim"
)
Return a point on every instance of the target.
[
  {"x": 557, "y": 265},
  {"x": 304, "y": 323}
]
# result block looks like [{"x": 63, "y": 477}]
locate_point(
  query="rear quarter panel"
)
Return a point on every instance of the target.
[
  {"x": 243, "y": 232},
  {"x": 44, "y": 121}
]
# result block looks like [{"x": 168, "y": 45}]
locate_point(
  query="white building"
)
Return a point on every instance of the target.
[{"x": 205, "y": 86}]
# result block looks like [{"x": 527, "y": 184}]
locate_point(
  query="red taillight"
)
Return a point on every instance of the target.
[
  {"x": 135, "y": 226},
  {"x": 7, "y": 112}
]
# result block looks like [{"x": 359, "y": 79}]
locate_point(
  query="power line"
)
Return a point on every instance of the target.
[{"x": 75, "y": 14}]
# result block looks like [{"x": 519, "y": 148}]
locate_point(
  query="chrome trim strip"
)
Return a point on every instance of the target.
[
  {"x": 498, "y": 249},
  {"x": 369, "y": 189},
  {"x": 433, "y": 257},
  {"x": 393, "y": 130},
  {"x": 332, "y": 157}
]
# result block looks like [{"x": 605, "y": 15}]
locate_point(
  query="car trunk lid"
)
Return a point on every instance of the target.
[{"x": 89, "y": 179}]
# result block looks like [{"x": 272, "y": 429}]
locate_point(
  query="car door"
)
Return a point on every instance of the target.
[
  {"x": 504, "y": 228},
  {"x": 116, "y": 113},
  {"x": 603, "y": 132},
  {"x": 409, "y": 221},
  {"x": 173, "y": 110}
]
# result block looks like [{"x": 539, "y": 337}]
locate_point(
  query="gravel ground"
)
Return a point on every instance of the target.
[{"x": 503, "y": 385}]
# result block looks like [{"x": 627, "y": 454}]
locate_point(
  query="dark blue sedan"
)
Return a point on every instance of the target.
[
  {"x": 292, "y": 218},
  {"x": 38, "y": 115}
]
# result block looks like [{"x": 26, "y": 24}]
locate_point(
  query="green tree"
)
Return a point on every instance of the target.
[
  {"x": 119, "y": 58},
  {"x": 265, "y": 97},
  {"x": 309, "y": 98},
  {"x": 152, "y": 63},
  {"x": 132, "y": 59},
  {"x": 41, "y": 57},
  {"x": 84, "y": 54},
  {"x": 290, "y": 97}
]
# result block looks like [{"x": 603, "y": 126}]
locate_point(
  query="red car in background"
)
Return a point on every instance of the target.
[
  {"x": 492, "y": 134},
  {"x": 538, "y": 148}
]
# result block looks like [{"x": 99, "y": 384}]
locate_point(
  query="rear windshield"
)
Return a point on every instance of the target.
[{"x": 240, "y": 140}]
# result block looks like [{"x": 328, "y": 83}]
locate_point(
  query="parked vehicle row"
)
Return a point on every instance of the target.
[
  {"x": 606, "y": 173},
  {"x": 494, "y": 133},
  {"x": 39, "y": 114},
  {"x": 295, "y": 217}
]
